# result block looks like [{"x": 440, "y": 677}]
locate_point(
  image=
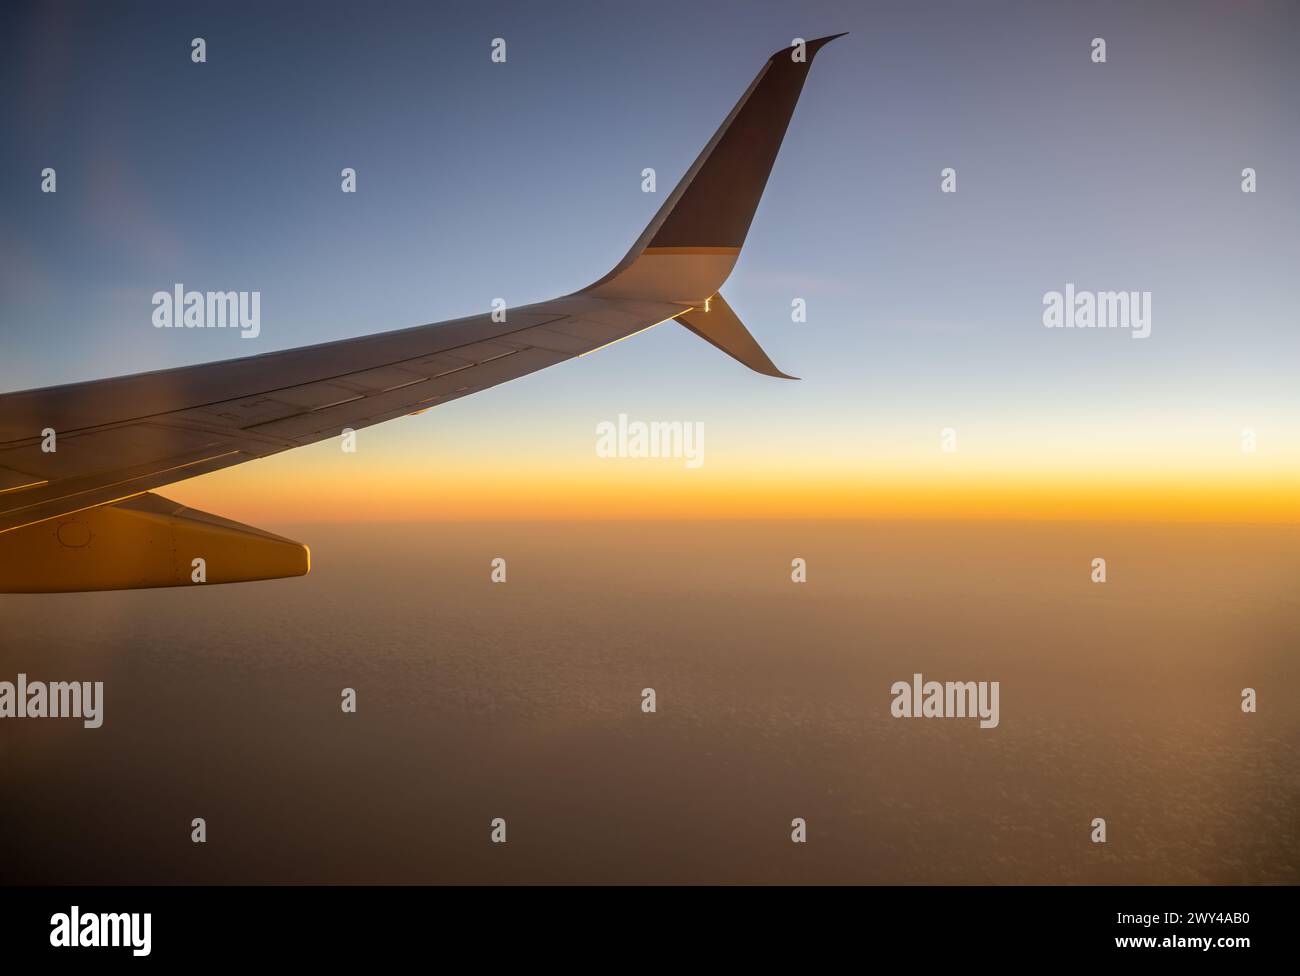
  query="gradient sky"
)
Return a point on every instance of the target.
[{"x": 522, "y": 180}]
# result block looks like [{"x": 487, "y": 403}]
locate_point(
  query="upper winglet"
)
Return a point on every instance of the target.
[
  {"x": 714, "y": 204},
  {"x": 687, "y": 251}
]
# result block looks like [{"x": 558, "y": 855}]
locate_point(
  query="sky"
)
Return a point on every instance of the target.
[{"x": 523, "y": 180}]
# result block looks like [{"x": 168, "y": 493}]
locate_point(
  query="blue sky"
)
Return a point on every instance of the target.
[{"x": 523, "y": 180}]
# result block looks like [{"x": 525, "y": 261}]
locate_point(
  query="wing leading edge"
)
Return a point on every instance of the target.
[{"x": 117, "y": 439}]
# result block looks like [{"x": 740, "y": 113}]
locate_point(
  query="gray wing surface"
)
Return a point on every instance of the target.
[{"x": 119, "y": 437}]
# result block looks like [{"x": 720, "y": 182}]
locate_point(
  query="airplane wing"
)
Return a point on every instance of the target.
[{"x": 78, "y": 463}]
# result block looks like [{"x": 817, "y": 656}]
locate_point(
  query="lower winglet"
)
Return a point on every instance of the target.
[{"x": 717, "y": 324}]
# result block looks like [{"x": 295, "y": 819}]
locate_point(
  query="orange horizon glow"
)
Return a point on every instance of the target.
[{"x": 320, "y": 485}]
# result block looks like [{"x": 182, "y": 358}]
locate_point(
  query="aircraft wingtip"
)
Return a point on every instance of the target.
[{"x": 811, "y": 47}]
